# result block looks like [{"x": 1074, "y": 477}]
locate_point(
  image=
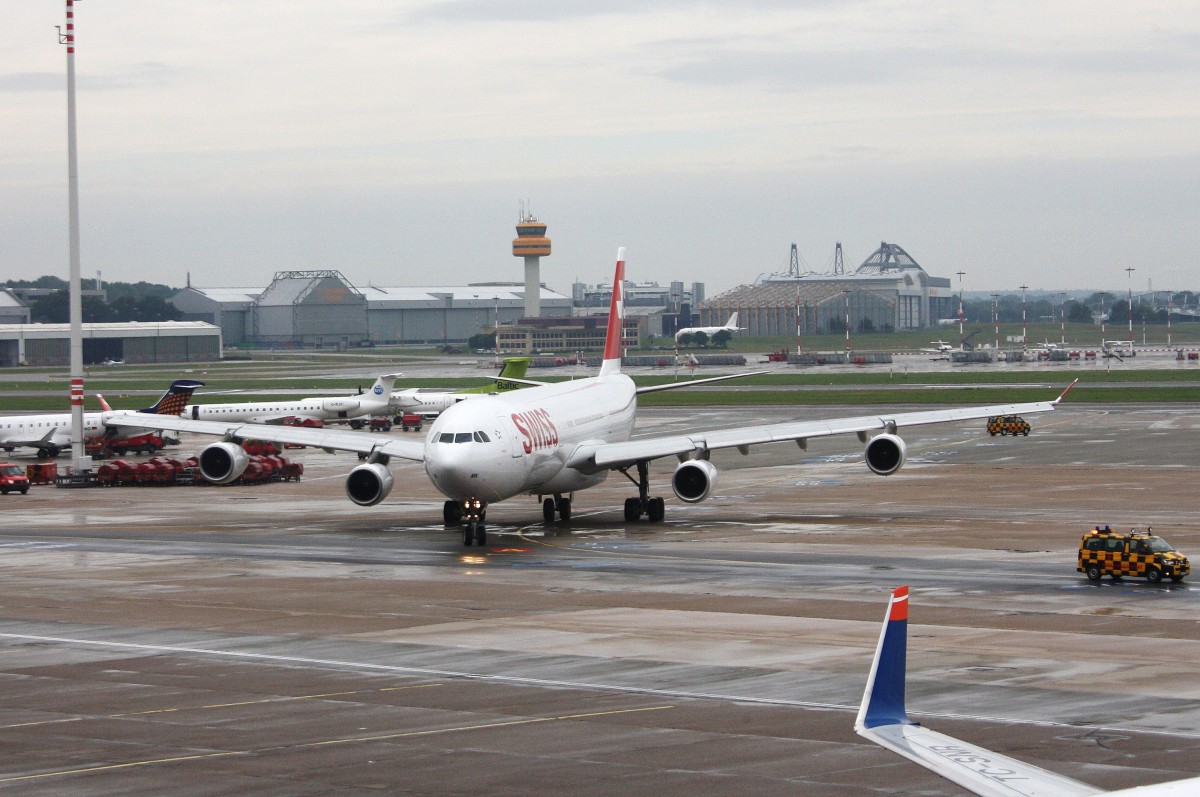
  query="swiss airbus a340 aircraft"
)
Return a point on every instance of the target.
[{"x": 556, "y": 439}]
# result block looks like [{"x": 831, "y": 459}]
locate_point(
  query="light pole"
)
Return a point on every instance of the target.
[
  {"x": 1129, "y": 272},
  {"x": 1103, "y": 317},
  {"x": 1024, "y": 326},
  {"x": 960, "y": 310},
  {"x": 996, "y": 318},
  {"x": 1062, "y": 318},
  {"x": 847, "y": 293}
]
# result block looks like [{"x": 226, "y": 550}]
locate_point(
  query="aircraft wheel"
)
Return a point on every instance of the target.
[
  {"x": 480, "y": 535},
  {"x": 451, "y": 513},
  {"x": 548, "y": 510},
  {"x": 43, "y": 454},
  {"x": 1153, "y": 575},
  {"x": 656, "y": 510},
  {"x": 564, "y": 509},
  {"x": 1093, "y": 573},
  {"x": 633, "y": 509}
]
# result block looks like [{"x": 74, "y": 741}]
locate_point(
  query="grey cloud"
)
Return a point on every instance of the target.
[
  {"x": 142, "y": 76},
  {"x": 559, "y": 10},
  {"x": 33, "y": 81}
]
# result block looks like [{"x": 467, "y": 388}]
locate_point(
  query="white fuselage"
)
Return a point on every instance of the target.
[
  {"x": 54, "y": 429},
  {"x": 323, "y": 409},
  {"x": 515, "y": 443},
  {"x": 425, "y": 400}
]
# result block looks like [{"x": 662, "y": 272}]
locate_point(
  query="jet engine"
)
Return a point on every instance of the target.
[
  {"x": 885, "y": 454},
  {"x": 221, "y": 463},
  {"x": 369, "y": 484},
  {"x": 694, "y": 480}
]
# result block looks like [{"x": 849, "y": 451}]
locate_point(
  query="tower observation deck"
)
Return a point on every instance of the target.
[{"x": 532, "y": 244}]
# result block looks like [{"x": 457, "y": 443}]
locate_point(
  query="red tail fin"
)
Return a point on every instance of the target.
[{"x": 616, "y": 320}]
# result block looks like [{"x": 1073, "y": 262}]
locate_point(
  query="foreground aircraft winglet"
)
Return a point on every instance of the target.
[{"x": 882, "y": 719}]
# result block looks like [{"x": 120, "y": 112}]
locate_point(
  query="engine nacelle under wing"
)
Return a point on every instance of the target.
[
  {"x": 885, "y": 454},
  {"x": 221, "y": 463},
  {"x": 369, "y": 484},
  {"x": 694, "y": 480}
]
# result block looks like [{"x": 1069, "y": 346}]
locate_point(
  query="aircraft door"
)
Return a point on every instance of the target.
[{"x": 510, "y": 440}]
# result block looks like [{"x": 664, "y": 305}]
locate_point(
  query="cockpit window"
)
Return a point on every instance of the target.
[
  {"x": 481, "y": 437},
  {"x": 446, "y": 437},
  {"x": 462, "y": 437}
]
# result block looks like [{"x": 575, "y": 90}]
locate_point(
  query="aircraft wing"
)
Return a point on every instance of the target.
[
  {"x": 614, "y": 455},
  {"x": 329, "y": 439}
]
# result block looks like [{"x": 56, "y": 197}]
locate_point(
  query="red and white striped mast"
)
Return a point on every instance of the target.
[{"x": 78, "y": 460}]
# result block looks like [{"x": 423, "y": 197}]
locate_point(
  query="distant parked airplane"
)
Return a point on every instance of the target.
[
  {"x": 883, "y": 720},
  {"x": 321, "y": 408},
  {"x": 730, "y": 326},
  {"x": 433, "y": 401},
  {"x": 51, "y": 433}
]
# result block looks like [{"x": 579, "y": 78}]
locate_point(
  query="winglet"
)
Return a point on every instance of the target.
[
  {"x": 1065, "y": 392},
  {"x": 883, "y": 699},
  {"x": 616, "y": 319}
]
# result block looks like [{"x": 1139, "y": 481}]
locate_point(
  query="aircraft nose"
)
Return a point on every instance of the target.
[{"x": 453, "y": 471}]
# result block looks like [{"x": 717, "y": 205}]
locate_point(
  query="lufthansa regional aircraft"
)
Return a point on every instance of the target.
[
  {"x": 553, "y": 440},
  {"x": 321, "y": 408},
  {"x": 51, "y": 433},
  {"x": 883, "y": 720},
  {"x": 730, "y": 326}
]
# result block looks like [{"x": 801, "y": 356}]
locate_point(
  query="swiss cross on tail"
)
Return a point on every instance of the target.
[{"x": 616, "y": 320}]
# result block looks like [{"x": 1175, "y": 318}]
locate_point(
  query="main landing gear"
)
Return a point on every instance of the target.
[
  {"x": 557, "y": 504},
  {"x": 654, "y": 509},
  {"x": 471, "y": 513}
]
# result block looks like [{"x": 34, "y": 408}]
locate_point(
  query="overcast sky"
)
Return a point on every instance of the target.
[{"x": 1051, "y": 144}]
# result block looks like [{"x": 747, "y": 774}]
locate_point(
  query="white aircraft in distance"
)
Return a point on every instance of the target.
[
  {"x": 556, "y": 439},
  {"x": 375, "y": 401},
  {"x": 51, "y": 433},
  {"x": 730, "y": 326},
  {"x": 940, "y": 347},
  {"x": 433, "y": 401},
  {"x": 883, "y": 720}
]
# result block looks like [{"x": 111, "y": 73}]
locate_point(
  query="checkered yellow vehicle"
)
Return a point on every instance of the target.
[
  {"x": 1007, "y": 424},
  {"x": 1104, "y": 552}
]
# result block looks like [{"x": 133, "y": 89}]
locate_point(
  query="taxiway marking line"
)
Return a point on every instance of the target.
[
  {"x": 281, "y": 699},
  {"x": 328, "y": 742}
]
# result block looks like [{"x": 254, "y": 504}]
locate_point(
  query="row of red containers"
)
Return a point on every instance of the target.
[{"x": 167, "y": 470}]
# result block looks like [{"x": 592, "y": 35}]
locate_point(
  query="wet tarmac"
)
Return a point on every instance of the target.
[{"x": 276, "y": 639}]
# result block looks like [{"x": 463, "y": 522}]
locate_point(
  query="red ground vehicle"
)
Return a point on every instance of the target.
[
  {"x": 411, "y": 420},
  {"x": 381, "y": 425},
  {"x": 13, "y": 479},
  {"x": 107, "y": 445}
]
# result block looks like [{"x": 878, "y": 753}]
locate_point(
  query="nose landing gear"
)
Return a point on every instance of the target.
[{"x": 471, "y": 513}]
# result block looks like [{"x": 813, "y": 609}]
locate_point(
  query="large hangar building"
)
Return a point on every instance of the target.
[
  {"x": 324, "y": 309},
  {"x": 888, "y": 292},
  {"x": 130, "y": 342}
]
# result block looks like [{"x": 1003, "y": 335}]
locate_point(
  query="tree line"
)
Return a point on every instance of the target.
[{"x": 127, "y": 301}]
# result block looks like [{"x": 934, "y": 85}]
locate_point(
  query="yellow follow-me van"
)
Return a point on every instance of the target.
[
  {"x": 1007, "y": 424},
  {"x": 1104, "y": 552}
]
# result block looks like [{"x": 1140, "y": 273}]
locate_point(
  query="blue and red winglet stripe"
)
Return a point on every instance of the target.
[{"x": 886, "y": 703}]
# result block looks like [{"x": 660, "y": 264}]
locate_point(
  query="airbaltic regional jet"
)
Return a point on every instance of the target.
[
  {"x": 883, "y": 720},
  {"x": 556, "y": 439}
]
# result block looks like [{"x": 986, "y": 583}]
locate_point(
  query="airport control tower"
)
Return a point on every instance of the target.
[{"x": 532, "y": 244}]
